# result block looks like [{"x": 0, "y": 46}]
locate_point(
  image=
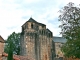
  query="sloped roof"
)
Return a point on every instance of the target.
[
  {"x": 18, "y": 57},
  {"x": 32, "y": 20},
  {"x": 1, "y": 39},
  {"x": 48, "y": 30},
  {"x": 59, "y": 39},
  {"x": 6, "y": 55}
]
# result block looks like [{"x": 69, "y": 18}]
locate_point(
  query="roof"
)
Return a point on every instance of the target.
[
  {"x": 32, "y": 20},
  {"x": 6, "y": 55},
  {"x": 59, "y": 39},
  {"x": 18, "y": 57},
  {"x": 48, "y": 30},
  {"x": 1, "y": 39}
]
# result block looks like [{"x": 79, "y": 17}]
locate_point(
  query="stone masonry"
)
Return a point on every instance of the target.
[
  {"x": 1, "y": 47},
  {"x": 36, "y": 40}
]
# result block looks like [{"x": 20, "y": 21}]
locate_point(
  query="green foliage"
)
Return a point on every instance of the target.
[
  {"x": 70, "y": 29},
  {"x": 10, "y": 52},
  {"x": 72, "y": 48},
  {"x": 15, "y": 38}
]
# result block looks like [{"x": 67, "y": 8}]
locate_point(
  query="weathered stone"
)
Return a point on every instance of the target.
[
  {"x": 36, "y": 41},
  {"x": 1, "y": 47}
]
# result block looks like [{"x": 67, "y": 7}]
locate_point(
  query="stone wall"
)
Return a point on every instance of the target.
[
  {"x": 36, "y": 41},
  {"x": 58, "y": 46},
  {"x": 1, "y": 47}
]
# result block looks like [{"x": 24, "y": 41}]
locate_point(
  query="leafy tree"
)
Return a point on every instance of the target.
[
  {"x": 15, "y": 38},
  {"x": 70, "y": 29},
  {"x": 10, "y": 52}
]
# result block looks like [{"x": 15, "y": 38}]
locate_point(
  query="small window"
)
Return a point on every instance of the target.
[
  {"x": 22, "y": 29},
  {"x": 43, "y": 26},
  {"x": 32, "y": 26}
]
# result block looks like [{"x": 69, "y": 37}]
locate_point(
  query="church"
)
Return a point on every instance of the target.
[{"x": 37, "y": 41}]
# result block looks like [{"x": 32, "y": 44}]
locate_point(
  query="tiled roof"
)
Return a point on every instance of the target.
[
  {"x": 23, "y": 57},
  {"x": 59, "y": 39},
  {"x": 6, "y": 55},
  {"x": 18, "y": 57}
]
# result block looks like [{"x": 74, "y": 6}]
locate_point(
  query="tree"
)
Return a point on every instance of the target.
[
  {"x": 10, "y": 52},
  {"x": 15, "y": 38},
  {"x": 70, "y": 29}
]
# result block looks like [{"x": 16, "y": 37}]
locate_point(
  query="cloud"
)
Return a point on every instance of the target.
[{"x": 14, "y": 13}]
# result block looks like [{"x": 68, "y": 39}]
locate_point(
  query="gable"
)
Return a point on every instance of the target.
[{"x": 33, "y": 21}]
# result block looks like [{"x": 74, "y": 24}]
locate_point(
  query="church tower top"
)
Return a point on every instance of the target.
[{"x": 33, "y": 21}]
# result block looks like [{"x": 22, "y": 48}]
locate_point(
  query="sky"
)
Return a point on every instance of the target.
[{"x": 14, "y": 13}]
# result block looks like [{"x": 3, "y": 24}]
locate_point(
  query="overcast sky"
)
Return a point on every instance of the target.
[{"x": 14, "y": 13}]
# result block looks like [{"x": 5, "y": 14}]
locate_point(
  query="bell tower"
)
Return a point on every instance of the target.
[{"x": 36, "y": 40}]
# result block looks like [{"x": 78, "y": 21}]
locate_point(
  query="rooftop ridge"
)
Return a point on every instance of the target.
[{"x": 32, "y": 20}]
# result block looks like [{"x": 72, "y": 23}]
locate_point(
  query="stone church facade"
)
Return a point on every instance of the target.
[{"x": 36, "y": 41}]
